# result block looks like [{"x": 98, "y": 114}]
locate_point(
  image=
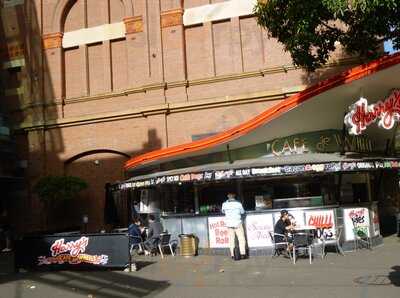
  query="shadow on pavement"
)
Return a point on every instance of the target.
[
  {"x": 394, "y": 276},
  {"x": 141, "y": 264},
  {"x": 108, "y": 284}
]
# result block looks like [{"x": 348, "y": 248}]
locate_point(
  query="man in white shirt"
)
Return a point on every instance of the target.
[{"x": 233, "y": 211}]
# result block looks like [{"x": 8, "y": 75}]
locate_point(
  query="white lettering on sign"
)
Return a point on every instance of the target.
[
  {"x": 361, "y": 114},
  {"x": 266, "y": 170}
]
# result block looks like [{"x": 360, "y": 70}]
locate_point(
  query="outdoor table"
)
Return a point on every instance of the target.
[
  {"x": 316, "y": 231},
  {"x": 308, "y": 229}
]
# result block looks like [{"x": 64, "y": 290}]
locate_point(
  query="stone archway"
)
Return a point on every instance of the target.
[
  {"x": 97, "y": 167},
  {"x": 92, "y": 152},
  {"x": 63, "y": 6}
]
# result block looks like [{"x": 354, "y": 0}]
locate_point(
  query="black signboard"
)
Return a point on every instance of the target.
[
  {"x": 268, "y": 171},
  {"x": 73, "y": 251}
]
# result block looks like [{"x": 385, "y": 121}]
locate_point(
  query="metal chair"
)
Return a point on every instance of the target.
[
  {"x": 165, "y": 241},
  {"x": 302, "y": 241},
  {"x": 279, "y": 246},
  {"x": 136, "y": 245},
  {"x": 333, "y": 242}
]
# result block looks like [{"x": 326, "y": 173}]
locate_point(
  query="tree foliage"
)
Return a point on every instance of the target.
[
  {"x": 310, "y": 30},
  {"x": 52, "y": 188}
]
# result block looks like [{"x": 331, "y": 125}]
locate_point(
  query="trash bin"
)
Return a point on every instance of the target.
[{"x": 188, "y": 245}]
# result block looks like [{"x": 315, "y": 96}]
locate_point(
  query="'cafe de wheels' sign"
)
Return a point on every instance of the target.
[{"x": 361, "y": 115}]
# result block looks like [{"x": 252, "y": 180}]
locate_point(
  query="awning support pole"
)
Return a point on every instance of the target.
[
  {"x": 339, "y": 199},
  {"x": 196, "y": 199},
  {"x": 229, "y": 154},
  {"x": 343, "y": 149}
]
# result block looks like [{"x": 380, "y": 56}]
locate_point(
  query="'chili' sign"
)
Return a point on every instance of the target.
[{"x": 361, "y": 115}]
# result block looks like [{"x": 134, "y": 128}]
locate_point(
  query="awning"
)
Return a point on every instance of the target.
[
  {"x": 290, "y": 165},
  {"x": 319, "y": 107}
]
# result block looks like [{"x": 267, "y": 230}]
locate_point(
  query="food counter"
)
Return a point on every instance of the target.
[{"x": 213, "y": 235}]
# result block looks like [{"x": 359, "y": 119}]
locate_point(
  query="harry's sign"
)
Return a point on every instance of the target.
[
  {"x": 361, "y": 115},
  {"x": 71, "y": 252}
]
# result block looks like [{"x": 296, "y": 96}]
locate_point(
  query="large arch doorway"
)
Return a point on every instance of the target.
[{"x": 97, "y": 168}]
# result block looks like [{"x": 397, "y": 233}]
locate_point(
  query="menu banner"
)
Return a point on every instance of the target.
[
  {"x": 258, "y": 228},
  {"x": 356, "y": 221},
  {"x": 218, "y": 232},
  {"x": 262, "y": 172},
  {"x": 324, "y": 221}
]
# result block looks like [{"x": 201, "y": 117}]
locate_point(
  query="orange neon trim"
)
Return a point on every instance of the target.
[{"x": 346, "y": 77}]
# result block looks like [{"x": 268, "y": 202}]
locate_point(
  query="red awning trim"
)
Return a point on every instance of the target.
[{"x": 269, "y": 114}]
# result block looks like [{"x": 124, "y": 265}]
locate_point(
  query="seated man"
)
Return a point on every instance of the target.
[
  {"x": 282, "y": 227},
  {"x": 135, "y": 235},
  {"x": 153, "y": 235}
]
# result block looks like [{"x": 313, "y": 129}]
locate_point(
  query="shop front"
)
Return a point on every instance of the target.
[{"x": 325, "y": 155}]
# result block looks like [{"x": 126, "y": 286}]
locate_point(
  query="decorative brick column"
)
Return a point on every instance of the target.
[
  {"x": 52, "y": 67},
  {"x": 174, "y": 51},
  {"x": 136, "y": 45}
]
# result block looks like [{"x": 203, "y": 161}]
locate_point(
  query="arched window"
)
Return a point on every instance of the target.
[{"x": 95, "y": 54}]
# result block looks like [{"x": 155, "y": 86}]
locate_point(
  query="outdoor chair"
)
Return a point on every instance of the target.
[
  {"x": 333, "y": 242},
  {"x": 279, "y": 247},
  {"x": 302, "y": 242},
  {"x": 137, "y": 244},
  {"x": 165, "y": 241}
]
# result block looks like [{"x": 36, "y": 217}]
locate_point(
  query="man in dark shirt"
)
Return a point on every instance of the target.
[
  {"x": 135, "y": 235},
  {"x": 153, "y": 234},
  {"x": 282, "y": 226}
]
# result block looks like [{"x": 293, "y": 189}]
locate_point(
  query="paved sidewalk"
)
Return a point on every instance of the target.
[{"x": 363, "y": 274}]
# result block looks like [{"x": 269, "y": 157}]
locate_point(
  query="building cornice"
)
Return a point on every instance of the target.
[
  {"x": 166, "y": 108},
  {"x": 170, "y": 108},
  {"x": 196, "y": 82}
]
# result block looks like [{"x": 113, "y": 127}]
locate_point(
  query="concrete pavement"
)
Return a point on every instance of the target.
[{"x": 363, "y": 274}]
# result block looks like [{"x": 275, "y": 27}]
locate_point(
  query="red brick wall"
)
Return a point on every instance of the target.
[
  {"x": 75, "y": 80},
  {"x": 97, "y": 12},
  {"x": 75, "y": 19},
  {"x": 96, "y": 65},
  {"x": 252, "y": 44},
  {"x": 199, "y": 52},
  {"x": 170, "y": 59},
  {"x": 119, "y": 64}
]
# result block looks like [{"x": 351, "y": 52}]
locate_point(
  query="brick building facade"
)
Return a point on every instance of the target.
[{"x": 89, "y": 83}]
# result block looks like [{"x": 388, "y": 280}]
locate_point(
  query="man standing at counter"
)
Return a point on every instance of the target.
[{"x": 233, "y": 211}]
